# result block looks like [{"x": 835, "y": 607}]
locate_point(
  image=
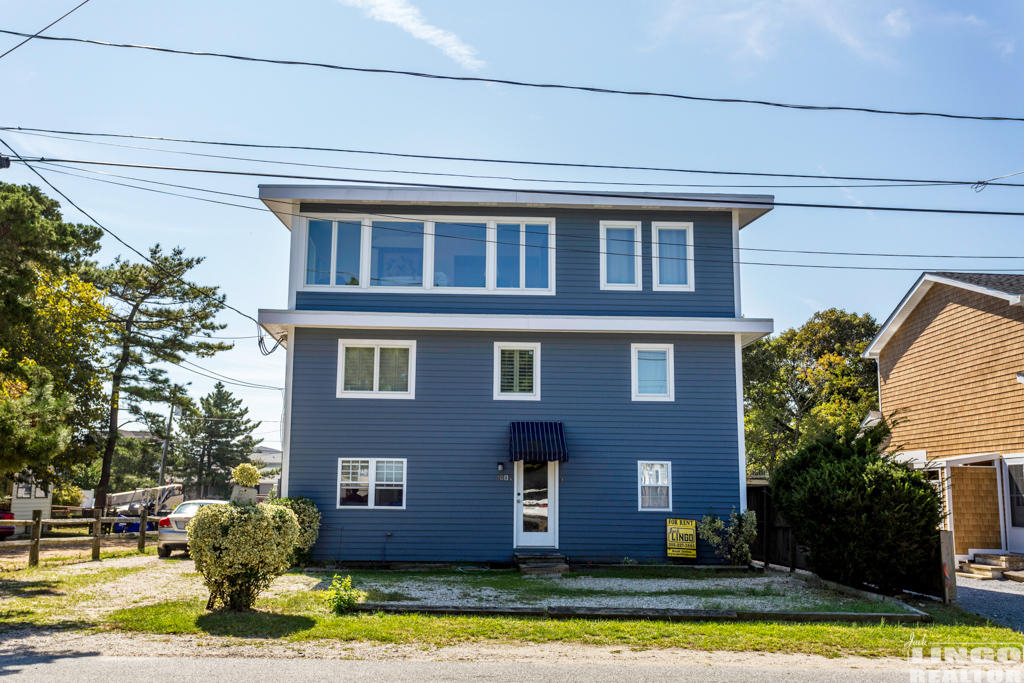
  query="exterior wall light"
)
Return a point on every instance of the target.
[{"x": 501, "y": 465}]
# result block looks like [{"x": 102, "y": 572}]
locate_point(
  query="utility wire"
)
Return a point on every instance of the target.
[
  {"x": 218, "y": 379},
  {"x": 587, "y": 251},
  {"x": 529, "y": 84},
  {"x": 520, "y": 162},
  {"x": 565, "y": 193},
  {"x": 36, "y": 34},
  {"x": 254, "y": 385}
]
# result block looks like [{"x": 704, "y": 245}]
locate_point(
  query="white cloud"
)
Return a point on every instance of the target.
[
  {"x": 409, "y": 18},
  {"x": 896, "y": 23}
]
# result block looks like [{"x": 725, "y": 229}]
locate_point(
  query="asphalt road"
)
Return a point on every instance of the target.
[{"x": 16, "y": 667}]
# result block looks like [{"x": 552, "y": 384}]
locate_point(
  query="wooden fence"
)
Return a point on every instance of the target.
[{"x": 96, "y": 523}]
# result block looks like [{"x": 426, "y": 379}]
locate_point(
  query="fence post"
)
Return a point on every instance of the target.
[
  {"x": 97, "y": 531},
  {"x": 142, "y": 531},
  {"x": 948, "y": 566},
  {"x": 37, "y": 528}
]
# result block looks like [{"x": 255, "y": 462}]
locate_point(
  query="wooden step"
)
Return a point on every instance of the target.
[
  {"x": 979, "y": 571},
  {"x": 1004, "y": 561},
  {"x": 543, "y": 568},
  {"x": 1014, "y": 576}
]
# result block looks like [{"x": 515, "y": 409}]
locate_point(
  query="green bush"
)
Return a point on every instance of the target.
[
  {"x": 864, "y": 518},
  {"x": 732, "y": 543},
  {"x": 341, "y": 597},
  {"x": 246, "y": 474},
  {"x": 241, "y": 549},
  {"x": 309, "y": 525}
]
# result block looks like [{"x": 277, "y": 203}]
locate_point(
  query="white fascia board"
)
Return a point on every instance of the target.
[
  {"x": 276, "y": 321},
  {"x": 913, "y": 298}
]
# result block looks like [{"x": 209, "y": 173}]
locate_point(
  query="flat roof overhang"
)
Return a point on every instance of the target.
[{"x": 286, "y": 200}]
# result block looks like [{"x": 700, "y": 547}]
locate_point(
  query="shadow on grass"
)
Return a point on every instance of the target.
[
  {"x": 252, "y": 624},
  {"x": 28, "y": 589}
]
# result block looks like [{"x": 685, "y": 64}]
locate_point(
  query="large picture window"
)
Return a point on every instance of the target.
[
  {"x": 369, "y": 368},
  {"x": 654, "y": 484},
  {"x": 673, "y": 256},
  {"x": 516, "y": 371},
  {"x": 371, "y": 483},
  {"x": 621, "y": 255},
  {"x": 447, "y": 255},
  {"x": 653, "y": 373}
]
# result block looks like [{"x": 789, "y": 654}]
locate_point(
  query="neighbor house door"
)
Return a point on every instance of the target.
[
  {"x": 536, "y": 515},
  {"x": 1013, "y": 495}
]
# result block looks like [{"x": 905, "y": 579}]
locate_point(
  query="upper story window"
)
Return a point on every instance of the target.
[
  {"x": 653, "y": 374},
  {"x": 370, "y": 368},
  {"x": 673, "y": 256},
  {"x": 452, "y": 255},
  {"x": 516, "y": 371},
  {"x": 621, "y": 255}
]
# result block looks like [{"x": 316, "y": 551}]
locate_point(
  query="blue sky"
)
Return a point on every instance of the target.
[{"x": 908, "y": 55}]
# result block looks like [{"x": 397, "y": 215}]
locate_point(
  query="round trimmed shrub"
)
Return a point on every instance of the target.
[
  {"x": 240, "y": 550},
  {"x": 246, "y": 474},
  {"x": 309, "y": 525}
]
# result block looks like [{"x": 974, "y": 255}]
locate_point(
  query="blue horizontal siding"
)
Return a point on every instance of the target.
[
  {"x": 453, "y": 434},
  {"x": 577, "y": 271}
]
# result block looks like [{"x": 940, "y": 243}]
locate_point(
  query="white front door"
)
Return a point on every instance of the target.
[
  {"x": 536, "y": 516},
  {"x": 1013, "y": 497}
]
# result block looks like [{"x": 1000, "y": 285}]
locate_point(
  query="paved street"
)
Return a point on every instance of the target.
[
  {"x": 231, "y": 670},
  {"x": 1001, "y": 601}
]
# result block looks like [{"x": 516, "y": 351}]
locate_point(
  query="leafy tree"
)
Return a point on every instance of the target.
[
  {"x": 805, "y": 382},
  {"x": 32, "y": 428},
  {"x": 214, "y": 438},
  {"x": 159, "y": 317}
]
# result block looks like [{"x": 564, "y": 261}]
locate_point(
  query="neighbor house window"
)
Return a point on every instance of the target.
[
  {"x": 673, "y": 256},
  {"x": 23, "y": 491},
  {"x": 517, "y": 371},
  {"x": 654, "y": 485},
  {"x": 653, "y": 375},
  {"x": 371, "y": 483},
  {"x": 40, "y": 492},
  {"x": 369, "y": 368},
  {"x": 450, "y": 255},
  {"x": 621, "y": 255}
]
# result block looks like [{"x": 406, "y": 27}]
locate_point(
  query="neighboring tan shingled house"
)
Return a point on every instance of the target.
[{"x": 951, "y": 366}]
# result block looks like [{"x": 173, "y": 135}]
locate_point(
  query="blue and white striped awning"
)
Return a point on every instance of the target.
[{"x": 537, "y": 442}]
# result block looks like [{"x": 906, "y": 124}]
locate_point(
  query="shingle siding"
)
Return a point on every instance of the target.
[
  {"x": 577, "y": 238},
  {"x": 454, "y": 433}
]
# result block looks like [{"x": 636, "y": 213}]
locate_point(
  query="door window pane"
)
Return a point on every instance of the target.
[
  {"x": 672, "y": 265},
  {"x": 460, "y": 255},
  {"x": 508, "y": 254},
  {"x": 396, "y": 255},
  {"x": 318, "y": 253},
  {"x": 358, "y": 368},
  {"x": 537, "y": 255},
  {"x": 394, "y": 369},
  {"x": 620, "y": 252},
  {"x": 535, "y": 497},
  {"x": 346, "y": 260},
  {"x": 1016, "y": 494},
  {"x": 652, "y": 372}
]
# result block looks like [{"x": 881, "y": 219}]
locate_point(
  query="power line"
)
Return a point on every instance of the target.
[
  {"x": 569, "y": 193},
  {"x": 36, "y": 34},
  {"x": 245, "y": 385},
  {"x": 529, "y": 84},
  {"x": 255, "y": 385},
  {"x": 521, "y": 162},
  {"x": 588, "y": 251}
]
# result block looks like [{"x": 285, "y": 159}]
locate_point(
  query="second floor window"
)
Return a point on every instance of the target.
[
  {"x": 621, "y": 255},
  {"x": 370, "y": 368},
  {"x": 653, "y": 373},
  {"x": 673, "y": 256}
]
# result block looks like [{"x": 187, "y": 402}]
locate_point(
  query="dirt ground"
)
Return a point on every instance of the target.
[{"x": 17, "y": 558}]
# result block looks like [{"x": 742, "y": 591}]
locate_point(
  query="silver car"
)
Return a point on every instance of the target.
[{"x": 171, "y": 530}]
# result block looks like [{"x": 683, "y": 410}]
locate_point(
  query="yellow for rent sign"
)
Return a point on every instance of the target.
[{"x": 681, "y": 539}]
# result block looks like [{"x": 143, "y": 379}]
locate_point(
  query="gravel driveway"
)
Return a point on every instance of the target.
[{"x": 1001, "y": 601}]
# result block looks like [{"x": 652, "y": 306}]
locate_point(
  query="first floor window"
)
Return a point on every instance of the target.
[
  {"x": 517, "y": 371},
  {"x": 655, "y": 485},
  {"x": 371, "y": 483},
  {"x": 376, "y": 368},
  {"x": 653, "y": 374}
]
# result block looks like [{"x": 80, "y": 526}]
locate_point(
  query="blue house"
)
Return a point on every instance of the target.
[{"x": 474, "y": 374}]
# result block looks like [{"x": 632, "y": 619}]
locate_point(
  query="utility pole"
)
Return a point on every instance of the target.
[{"x": 167, "y": 441}]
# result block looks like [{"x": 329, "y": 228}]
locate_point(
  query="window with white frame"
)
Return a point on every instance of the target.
[
  {"x": 621, "y": 255},
  {"x": 23, "y": 491},
  {"x": 673, "y": 256},
  {"x": 654, "y": 485},
  {"x": 653, "y": 372},
  {"x": 517, "y": 371},
  {"x": 441, "y": 254},
  {"x": 40, "y": 492},
  {"x": 371, "y": 483},
  {"x": 376, "y": 368}
]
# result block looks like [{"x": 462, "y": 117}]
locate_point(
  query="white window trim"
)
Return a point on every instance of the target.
[
  {"x": 640, "y": 486},
  {"x": 371, "y": 486},
  {"x": 499, "y": 395},
  {"x": 670, "y": 373},
  {"x": 638, "y": 257},
  {"x": 656, "y": 227},
  {"x": 377, "y": 345},
  {"x": 300, "y": 254}
]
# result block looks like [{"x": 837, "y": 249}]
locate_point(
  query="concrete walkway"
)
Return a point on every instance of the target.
[{"x": 1002, "y": 601}]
